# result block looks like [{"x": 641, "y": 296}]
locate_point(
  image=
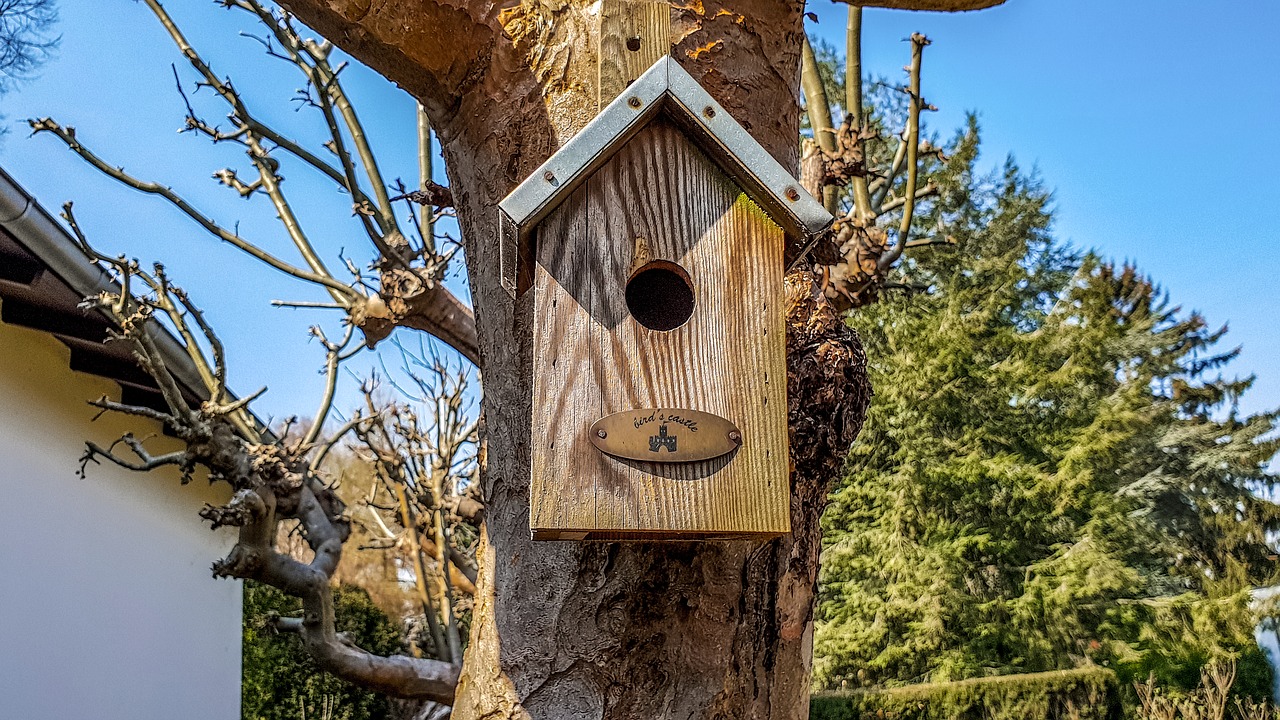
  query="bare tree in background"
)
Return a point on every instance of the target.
[
  {"x": 425, "y": 472},
  {"x": 557, "y": 629},
  {"x": 25, "y": 38}
]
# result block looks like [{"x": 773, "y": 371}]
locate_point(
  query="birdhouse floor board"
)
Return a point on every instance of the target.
[{"x": 592, "y": 359}]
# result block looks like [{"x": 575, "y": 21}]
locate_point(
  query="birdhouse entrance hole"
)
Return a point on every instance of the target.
[{"x": 660, "y": 295}]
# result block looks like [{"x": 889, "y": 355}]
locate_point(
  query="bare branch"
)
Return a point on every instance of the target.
[
  {"x": 330, "y": 84},
  {"x": 68, "y": 136},
  {"x": 217, "y": 383},
  {"x": 324, "y": 449},
  {"x": 228, "y": 177},
  {"x": 430, "y": 194},
  {"x": 918, "y": 43},
  {"x": 145, "y": 461},
  {"x": 306, "y": 304},
  {"x": 136, "y": 410},
  {"x": 862, "y": 206},
  {"x": 424, "y": 181},
  {"x": 948, "y": 240},
  {"x": 304, "y": 58},
  {"x": 929, "y": 190},
  {"x": 319, "y": 75},
  {"x": 881, "y": 186},
  {"x": 819, "y": 112},
  {"x": 466, "y": 508},
  {"x": 270, "y": 182},
  {"x": 216, "y": 409}
]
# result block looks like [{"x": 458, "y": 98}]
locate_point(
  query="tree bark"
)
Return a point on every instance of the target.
[{"x": 610, "y": 630}]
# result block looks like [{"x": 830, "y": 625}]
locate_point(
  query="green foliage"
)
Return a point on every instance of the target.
[
  {"x": 1053, "y": 471},
  {"x": 1210, "y": 699},
  {"x": 1084, "y": 694},
  {"x": 280, "y": 682}
]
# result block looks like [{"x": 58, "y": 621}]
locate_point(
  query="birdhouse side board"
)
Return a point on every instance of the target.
[{"x": 592, "y": 358}]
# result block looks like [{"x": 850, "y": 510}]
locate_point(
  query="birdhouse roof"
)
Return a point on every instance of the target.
[{"x": 668, "y": 90}]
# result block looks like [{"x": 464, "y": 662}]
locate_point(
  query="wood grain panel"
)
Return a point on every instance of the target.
[{"x": 592, "y": 359}]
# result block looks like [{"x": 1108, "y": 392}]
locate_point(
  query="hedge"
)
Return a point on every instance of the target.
[
  {"x": 1083, "y": 694},
  {"x": 280, "y": 681}
]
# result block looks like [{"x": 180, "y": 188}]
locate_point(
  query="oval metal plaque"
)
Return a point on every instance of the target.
[{"x": 665, "y": 435}]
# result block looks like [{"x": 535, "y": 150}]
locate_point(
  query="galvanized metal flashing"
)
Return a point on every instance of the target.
[{"x": 669, "y": 89}]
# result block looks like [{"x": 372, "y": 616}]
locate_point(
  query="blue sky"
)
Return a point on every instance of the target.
[{"x": 1149, "y": 119}]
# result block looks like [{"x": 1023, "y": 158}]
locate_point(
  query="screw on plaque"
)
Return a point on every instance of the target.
[
  {"x": 735, "y": 436},
  {"x": 602, "y": 434}
]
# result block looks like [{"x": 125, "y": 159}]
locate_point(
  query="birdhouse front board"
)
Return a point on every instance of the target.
[{"x": 659, "y": 369}]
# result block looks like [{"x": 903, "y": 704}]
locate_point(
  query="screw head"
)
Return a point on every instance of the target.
[
  {"x": 633, "y": 43},
  {"x": 602, "y": 434},
  {"x": 633, "y": 101},
  {"x": 792, "y": 194},
  {"x": 549, "y": 176},
  {"x": 709, "y": 111},
  {"x": 735, "y": 436}
]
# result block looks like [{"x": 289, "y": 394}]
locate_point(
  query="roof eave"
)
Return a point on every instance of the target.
[
  {"x": 32, "y": 225},
  {"x": 35, "y": 230}
]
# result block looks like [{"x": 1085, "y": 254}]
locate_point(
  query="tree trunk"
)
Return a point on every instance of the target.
[{"x": 613, "y": 630}]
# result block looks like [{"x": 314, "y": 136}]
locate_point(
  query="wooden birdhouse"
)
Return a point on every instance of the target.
[{"x": 652, "y": 243}]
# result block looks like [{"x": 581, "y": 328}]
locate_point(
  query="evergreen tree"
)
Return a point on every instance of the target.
[{"x": 1052, "y": 473}]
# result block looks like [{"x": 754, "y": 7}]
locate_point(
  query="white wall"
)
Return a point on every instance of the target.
[
  {"x": 107, "y": 607},
  {"x": 1267, "y": 634}
]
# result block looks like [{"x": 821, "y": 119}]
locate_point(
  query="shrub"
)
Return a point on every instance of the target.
[
  {"x": 1083, "y": 694},
  {"x": 280, "y": 681}
]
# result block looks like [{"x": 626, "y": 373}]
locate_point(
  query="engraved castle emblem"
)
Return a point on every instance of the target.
[
  {"x": 665, "y": 435},
  {"x": 662, "y": 440}
]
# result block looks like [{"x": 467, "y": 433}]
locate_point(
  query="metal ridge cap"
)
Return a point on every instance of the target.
[
  {"x": 751, "y": 158},
  {"x": 566, "y": 167}
]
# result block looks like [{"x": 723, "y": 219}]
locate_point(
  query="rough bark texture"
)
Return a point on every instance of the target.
[{"x": 581, "y": 630}]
